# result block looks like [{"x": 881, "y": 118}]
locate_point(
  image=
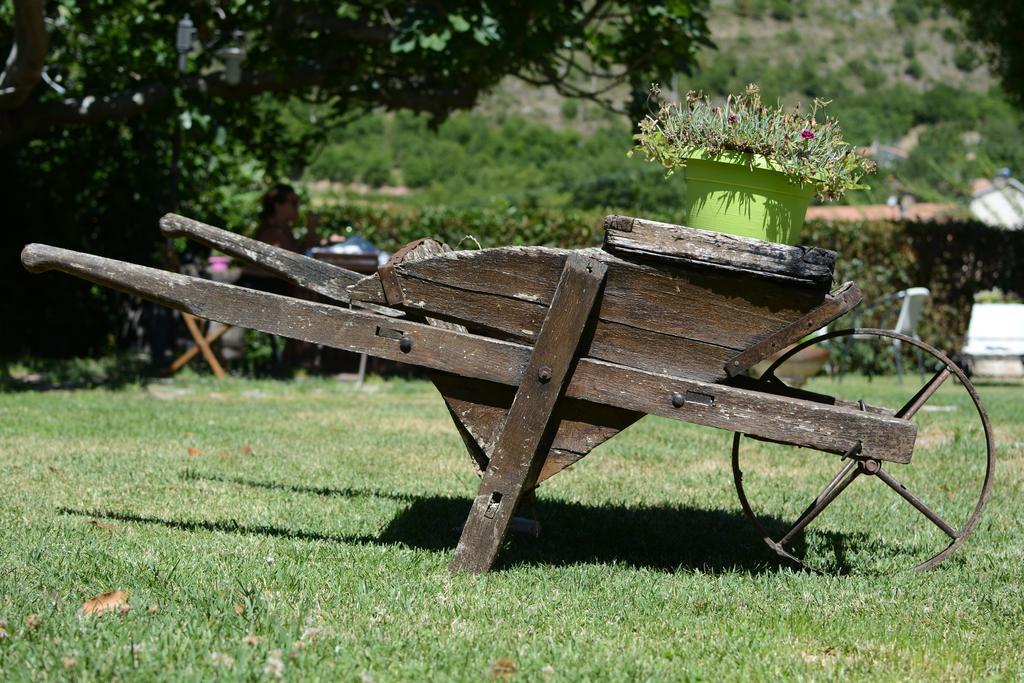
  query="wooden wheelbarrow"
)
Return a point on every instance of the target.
[{"x": 543, "y": 354}]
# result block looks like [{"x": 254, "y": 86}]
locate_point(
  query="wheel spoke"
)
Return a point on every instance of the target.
[
  {"x": 917, "y": 503},
  {"x": 835, "y": 480},
  {"x": 921, "y": 397},
  {"x": 828, "y": 494}
]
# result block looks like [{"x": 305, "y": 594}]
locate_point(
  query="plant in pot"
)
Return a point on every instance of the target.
[{"x": 751, "y": 169}]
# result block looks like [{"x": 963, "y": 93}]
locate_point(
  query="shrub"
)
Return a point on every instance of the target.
[
  {"x": 905, "y": 13},
  {"x": 570, "y": 109},
  {"x": 965, "y": 59}
]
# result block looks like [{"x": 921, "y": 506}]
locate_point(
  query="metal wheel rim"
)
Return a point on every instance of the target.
[{"x": 986, "y": 490}]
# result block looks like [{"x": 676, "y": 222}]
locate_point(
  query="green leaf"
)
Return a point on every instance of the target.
[
  {"x": 458, "y": 23},
  {"x": 436, "y": 41}
]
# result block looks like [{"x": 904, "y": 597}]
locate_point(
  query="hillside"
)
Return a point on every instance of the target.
[
  {"x": 896, "y": 75},
  {"x": 796, "y": 49}
]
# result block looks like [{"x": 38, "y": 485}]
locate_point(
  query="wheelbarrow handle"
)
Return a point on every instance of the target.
[{"x": 308, "y": 273}]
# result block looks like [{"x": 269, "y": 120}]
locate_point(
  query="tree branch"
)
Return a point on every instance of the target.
[
  {"x": 20, "y": 123},
  {"x": 25, "y": 63},
  {"x": 344, "y": 28}
]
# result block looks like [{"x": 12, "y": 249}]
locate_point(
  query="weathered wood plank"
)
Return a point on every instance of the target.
[
  {"x": 317, "y": 276},
  {"x": 838, "y": 303},
  {"x": 524, "y": 440},
  {"x": 464, "y": 422},
  {"x": 490, "y": 290},
  {"x": 657, "y": 352},
  {"x": 829, "y": 428},
  {"x": 820, "y": 426},
  {"x": 779, "y": 389},
  {"x": 637, "y": 237},
  {"x": 519, "y": 320},
  {"x": 480, "y": 409}
]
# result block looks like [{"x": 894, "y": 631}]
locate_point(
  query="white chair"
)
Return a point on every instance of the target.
[{"x": 912, "y": 302}]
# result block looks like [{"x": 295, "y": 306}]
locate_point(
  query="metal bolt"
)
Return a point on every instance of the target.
[
  {"x": 871, "y": 466},
  {"x": 544, "y": 374},
  {"x": 678, "y": 399},
  {"x": 405, "y": 343}
]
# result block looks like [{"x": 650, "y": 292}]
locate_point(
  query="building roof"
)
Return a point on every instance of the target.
[{"x": 921, "y": 211}]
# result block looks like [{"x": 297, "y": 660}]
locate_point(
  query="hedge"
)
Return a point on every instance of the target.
[{"x": 954, "y": 260}]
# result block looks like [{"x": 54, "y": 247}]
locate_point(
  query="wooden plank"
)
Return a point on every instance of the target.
[
  {"x": 492, "y": 290},
  {"x": 518, "y": 320},
  {"x": 523, "y": 443},
  {"x": 464, "y": 421},
  {"x": 637, "y": 237},
  {"x": 656, "y": 352},
  {"x": 814, "y": 425},
  {"x": 480, "y": 409},
  {"x": 323, "y": 278},
  {"x": 829, "y": 428},
  {"x": 838, "y": 303},
  {"x": 780, "y": 389}
]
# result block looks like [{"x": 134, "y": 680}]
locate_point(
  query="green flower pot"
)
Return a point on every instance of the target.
[{"x": 727, "y": 195}]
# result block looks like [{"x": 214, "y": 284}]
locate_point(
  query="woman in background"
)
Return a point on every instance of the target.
[{"x": 279, "y": 209}]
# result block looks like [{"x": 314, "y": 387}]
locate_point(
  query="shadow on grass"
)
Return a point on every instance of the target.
[{"x": 664, "y": 538}]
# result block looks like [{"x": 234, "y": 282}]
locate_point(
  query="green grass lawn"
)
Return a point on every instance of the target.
[{"x": 305, "y": 529}]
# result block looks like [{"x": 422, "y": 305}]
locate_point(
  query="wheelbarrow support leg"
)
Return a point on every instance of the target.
[{"x": 523, "y": 442}]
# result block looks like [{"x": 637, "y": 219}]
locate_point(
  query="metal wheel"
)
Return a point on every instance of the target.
[{"x": 896, "y": 515}]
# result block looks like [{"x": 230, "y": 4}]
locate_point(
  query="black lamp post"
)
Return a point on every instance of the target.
[{"x": 185, "y": 38}]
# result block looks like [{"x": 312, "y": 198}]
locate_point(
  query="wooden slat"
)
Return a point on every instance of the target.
[
  {"x": 323, "y": 278},
  {"x": 722, "y": 309},
  {"x": 829, "y": 428},
  {"x": 836, "y": 304},
  {"x": 824, "y": 427},
  {"x": 637, "y": 237},
  {"x": 480, "y": 408},
  {"x": 504, "y": 292},
  {"x": 523, "y": 442}
]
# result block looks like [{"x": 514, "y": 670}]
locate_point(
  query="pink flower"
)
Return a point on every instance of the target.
[
  {"x": 807, "y": 134},
  {"x": 733, "y": 118}
]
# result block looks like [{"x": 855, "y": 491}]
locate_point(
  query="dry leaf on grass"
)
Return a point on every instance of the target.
[
  {"x": 245, "y": 450},
  {"x": 53, "y": 469},
  {"x": 239, "y": 609},
  {"x": 33, "y": 621},
  {"x": 311, "y": 633},
  {"x": 503, "y": 669},
  {"x": 106, "y": 602},
  {"x": 222, "y": 659},
  {"x": 275, "y": 665},
  {"x": 100, "y": 525},
  {"x": 69, "y": 662},
  {"x": 153, "y": 609},
  {"x": 193, "y": 452}
]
